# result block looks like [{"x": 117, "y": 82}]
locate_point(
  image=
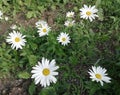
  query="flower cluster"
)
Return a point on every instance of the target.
[
  {"x": 45, "y": 71},
  {"x": 69, "y": 22},
  {"x": 43, "y": 28}
]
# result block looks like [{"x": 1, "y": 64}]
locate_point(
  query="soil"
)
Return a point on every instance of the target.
[
  {"x": 14, "y": 86},
  {"x": 20, "y": 19}
]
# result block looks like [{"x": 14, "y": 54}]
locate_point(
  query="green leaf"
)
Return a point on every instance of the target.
[
  {"x": 118, "y": 63},
  {"x": 118, "y": 1},
  {"x": 31, "y": 89},
  {"x": 33, "y": 46},
  {"x": 73, "y": 60},
  {"x": 65, "y": 1},
  {"x": 32, "y": 60},
  {"x": 20, "y": 2},
  {"x": 5, "y": 2},
  {"x": 3, "y": 45},
  {"x": 100, "y": 14},
  {"x": 29, "y": 14},
  {"x": 98, "y": 2},
  {"x": 24, "y": 75},
  {"x": 48, "y": 91}
]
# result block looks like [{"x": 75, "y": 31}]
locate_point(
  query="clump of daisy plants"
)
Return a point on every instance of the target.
[{"x": 73, "y": 59}]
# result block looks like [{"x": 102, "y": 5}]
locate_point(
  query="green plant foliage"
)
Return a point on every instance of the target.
[
  {"x": 92, "y": 43},
  {"x": 48, "y": 91},
  {"x": 32, "y": 89},
  {"x": 24, "y": 75}
]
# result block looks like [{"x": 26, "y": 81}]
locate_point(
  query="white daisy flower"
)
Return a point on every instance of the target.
[
  {"x": 44, "y": 73},
  {"x": 63, "y": 38},
  {"x": 40, "y": 23},
  {"x": 70, "y": 14},
  {"x": 6, "y": 18},
  {"x": 99, "y": 74},
  {"x": 16, "y": 39},
  {"x": 44, "y": 30},
  {"x": 13, "y": 27},
  {"x": 1, "y": 14},
  {"x": 69, "y": 23},
  {"x": 88, "y": 12}
]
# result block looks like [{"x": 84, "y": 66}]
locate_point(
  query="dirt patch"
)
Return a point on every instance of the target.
[
  {"x": 20, "y": 19},
  {"x": 4, "y": 27},
  {"x": 14, "y": 87}
]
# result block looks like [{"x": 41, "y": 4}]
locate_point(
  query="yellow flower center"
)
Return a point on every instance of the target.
[
  {"x": 63, "y": 39},
  {"x": 44, "y": 30},
  {"x": 46, "y": 71},
  {"x": 88, "y": 13},
  {"x": 71, "y": 15},
  {"x": 70, "y": 24},
  {"x": 98, "y": 76},
  {"x": 17, "y": 39}
]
